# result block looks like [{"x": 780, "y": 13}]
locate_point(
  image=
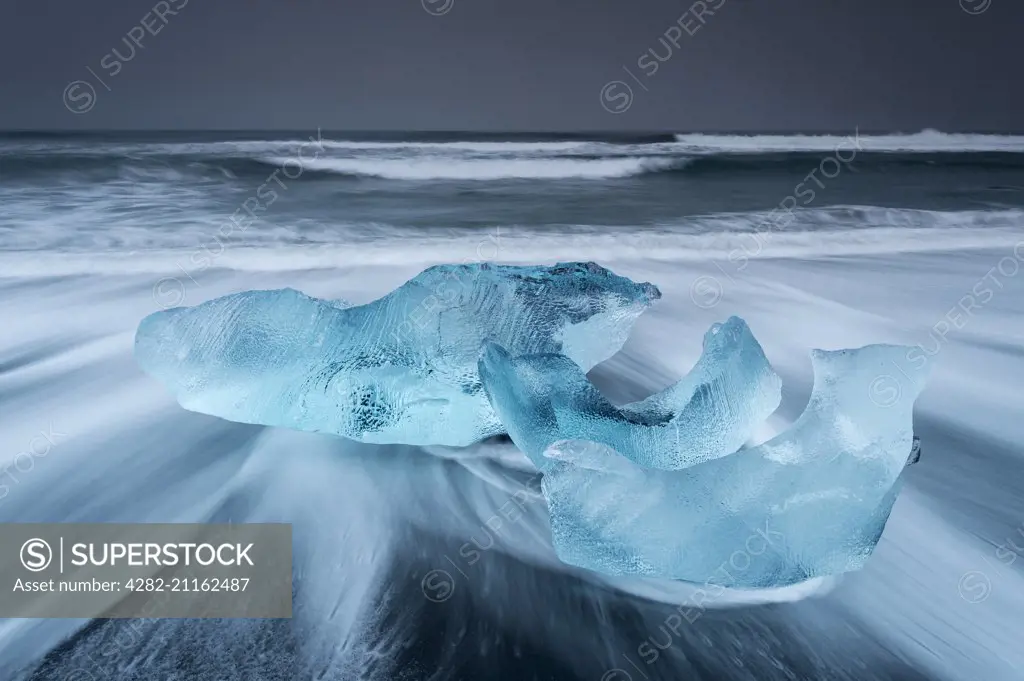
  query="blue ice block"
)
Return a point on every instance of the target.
[
  {"x": 401, "y": 369},
  {"x": 811, "y": 502},
  {"x": 711, "y": 412}
]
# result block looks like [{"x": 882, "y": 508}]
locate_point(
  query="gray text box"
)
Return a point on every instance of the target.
[{"x": 145, "y": 570}]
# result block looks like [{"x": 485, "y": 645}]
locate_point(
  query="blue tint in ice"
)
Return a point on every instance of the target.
[
  {"x": 711, "y": 412},
  {"x": 811, "y": 502},
  {"x": 402, "y": 369}
]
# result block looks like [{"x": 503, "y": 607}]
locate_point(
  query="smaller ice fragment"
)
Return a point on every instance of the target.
[
  {"x": 711, "y": 412},
  {"x": 401, "y": 369},
  {"x": 811, "y": 502}
]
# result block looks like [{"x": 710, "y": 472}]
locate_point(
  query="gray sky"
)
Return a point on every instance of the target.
[{"x": 513, "y": 64}]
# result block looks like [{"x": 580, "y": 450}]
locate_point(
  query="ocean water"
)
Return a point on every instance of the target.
[{"x": 401, "y": 569}]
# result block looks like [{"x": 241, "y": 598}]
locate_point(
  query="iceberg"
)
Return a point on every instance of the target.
[
  {"x": 398, "y": 370},
  {"x": 811, "y": 502},
  {"x": 711, "y": 412}
]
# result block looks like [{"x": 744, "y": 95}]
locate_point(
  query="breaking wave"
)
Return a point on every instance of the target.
[
  {"x": 924, "y": 141},
  {"x": 482, "y": 159},
  {"x": 813, "y": 233},
  {"x": 490, "y": 169}
]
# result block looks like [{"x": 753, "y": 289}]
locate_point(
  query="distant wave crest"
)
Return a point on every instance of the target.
[
  {"x": 924, "y": 141},
  {"x": 423, "y": 169},
  {"x": 521, "y": 159},
  {"x": 479, "y": 167}
]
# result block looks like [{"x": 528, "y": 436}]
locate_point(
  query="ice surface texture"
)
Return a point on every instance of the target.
[
  {"x": 402, "y": 369},
  {"x": 711, "y": 412},
  {"x": 811, "y": 502}
]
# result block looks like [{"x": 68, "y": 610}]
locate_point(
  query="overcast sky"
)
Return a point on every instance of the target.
[{"x": 512, "y": 64}]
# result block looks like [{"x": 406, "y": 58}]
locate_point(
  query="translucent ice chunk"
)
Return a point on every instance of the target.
[
  {"x": 711, "y": 412},
  {"x": 811, "y": 502},
  {"x": 402, "y": 369}
]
